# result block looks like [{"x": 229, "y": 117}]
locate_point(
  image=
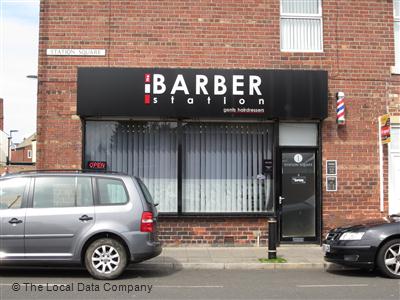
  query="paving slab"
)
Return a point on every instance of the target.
[{"x": 297, "y": 256}]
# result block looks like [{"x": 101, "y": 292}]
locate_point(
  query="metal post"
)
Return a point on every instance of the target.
[
  {"x": 9, "y": 146},
  {"x": 8, "y": 151},
  {"x": 272, "y": 238}
]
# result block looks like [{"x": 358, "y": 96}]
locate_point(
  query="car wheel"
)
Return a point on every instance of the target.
[
  {"x": 388, "y": 259},
  {"x": 105, "y": 258}
]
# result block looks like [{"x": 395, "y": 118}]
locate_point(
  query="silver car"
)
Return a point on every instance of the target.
[{"x": 103, "y": 221}]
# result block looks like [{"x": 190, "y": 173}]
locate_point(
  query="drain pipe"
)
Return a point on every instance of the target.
[{"x": 271, "y": 238}]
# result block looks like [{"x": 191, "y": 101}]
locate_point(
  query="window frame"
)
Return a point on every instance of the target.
[
  {"x": 391, "y": 149},
  {"x": 29, "y": 154},
  {"x": 396, "y": 19},
  {"x": 303, "y": 16}
]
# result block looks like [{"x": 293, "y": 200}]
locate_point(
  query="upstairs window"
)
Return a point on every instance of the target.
[
  {"x": 396, "y": 15},
  {"x": 301, "y": 26}
]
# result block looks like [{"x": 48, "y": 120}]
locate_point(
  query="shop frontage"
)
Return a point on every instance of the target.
[{"x": 229, "y": 144}]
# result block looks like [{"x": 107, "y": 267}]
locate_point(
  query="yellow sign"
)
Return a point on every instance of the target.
[{"x": 384, "y": 124}]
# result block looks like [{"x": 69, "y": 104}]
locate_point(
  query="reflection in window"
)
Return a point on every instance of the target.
[
  {"x": 148, "y": 150},
  {"x": 11, "y": 192},
  {"x": 111, "y": 191},
  {"x": 67, "y": 191},
  {"x": 222, "y": 165},
  {"x": 301, "y": 25}
]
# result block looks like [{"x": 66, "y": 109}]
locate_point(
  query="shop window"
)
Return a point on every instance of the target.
[
  {"x": 147, "y": 150},
  {"x": 395, "y": 138},
  {"x": 223, "y": 168},
  {"x": 394, "y": 170},
  {"x": 221, "y": 164},
  {"x": 396, "y": 9},
  {"x": 301, "y": 26}
]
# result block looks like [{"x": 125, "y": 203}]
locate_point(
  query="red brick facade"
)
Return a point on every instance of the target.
[
  {"x": 245, "y": 34},
  {"x": 20, "y": 155}
]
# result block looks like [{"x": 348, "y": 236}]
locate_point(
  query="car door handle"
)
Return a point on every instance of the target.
[
  {"x": 85, "y": 218},
  {"x": 15, "y": 221},
  {"x": 281, "y": 199}
]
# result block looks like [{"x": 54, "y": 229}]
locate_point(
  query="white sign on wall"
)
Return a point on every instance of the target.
[{"x": 76, "y": 52}]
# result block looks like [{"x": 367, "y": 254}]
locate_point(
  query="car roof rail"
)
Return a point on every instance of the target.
[
  {"x": 48, "y": 170},
  {"x": 67, "y": 171}
]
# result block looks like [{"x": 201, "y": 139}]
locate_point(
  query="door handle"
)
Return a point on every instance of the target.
[
  {"x": 280, "y": 199},
  {"x": 85, "y": 218},
  {"x": 15, "y": 221}
]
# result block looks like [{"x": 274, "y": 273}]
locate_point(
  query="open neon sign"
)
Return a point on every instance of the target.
[{"x": 97, "y": 165}]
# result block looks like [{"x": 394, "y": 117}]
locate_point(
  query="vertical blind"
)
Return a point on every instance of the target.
[
  {"x": 310, "y": 7},
  {"x": 301, "y": 25},
  {"x": 221, "y": 163},
  {"x": 396, "y": 9},
  {"x": 147, "y": 150},
  {"x": 220, "y": 167}
]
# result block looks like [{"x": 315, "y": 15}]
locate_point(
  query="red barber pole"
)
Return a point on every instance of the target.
[
  {"x": 340, "y": 109},
  {"x": 147, "y": 88}
]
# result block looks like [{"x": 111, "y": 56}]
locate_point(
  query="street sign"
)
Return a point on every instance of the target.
[
  {"x": 331, "y": 167},
  {"x": 267, "y": 166},
  {"x": 331, "y": 183}
]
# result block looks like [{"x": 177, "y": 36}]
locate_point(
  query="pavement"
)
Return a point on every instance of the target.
[{"x": 239, "y": 258}]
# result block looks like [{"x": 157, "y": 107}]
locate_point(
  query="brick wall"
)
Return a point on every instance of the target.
[
  {"x": 212, "y": 231},
  {"x": 20, "y": 155},
  {"x": 15, "y": 168},
  {"x": 358, "y": 54}
]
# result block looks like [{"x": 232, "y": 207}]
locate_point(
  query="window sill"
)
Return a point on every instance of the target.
[
  {"x": 287, "y": 51},
  {"x": 213, "y": 215}
]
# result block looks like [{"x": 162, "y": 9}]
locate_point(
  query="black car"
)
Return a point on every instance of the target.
[{"x": 369, "y": 245}]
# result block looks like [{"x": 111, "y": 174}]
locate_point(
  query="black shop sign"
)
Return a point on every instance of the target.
[{"x": 202, "y": 93}]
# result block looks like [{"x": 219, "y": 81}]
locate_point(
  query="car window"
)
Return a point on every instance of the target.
[
  {"x": 145, "y": 191},
  {"x": 111, "y": 191},
  {"x": 11, "y": 192},
  {"x": 62, "y": 192},
  {"x": 84, "y": 194}
]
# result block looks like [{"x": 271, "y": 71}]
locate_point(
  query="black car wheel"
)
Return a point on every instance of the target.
[
  {"x": 388, "y": 259},
  {"x": 105, "y": 259}
]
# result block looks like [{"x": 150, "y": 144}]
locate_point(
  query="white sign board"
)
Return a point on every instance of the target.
[{"x": 76, "y": 52}]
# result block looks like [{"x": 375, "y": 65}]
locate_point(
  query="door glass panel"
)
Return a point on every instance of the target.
[
  {"x": 54, "y": 192},
  {"x": 298, "y": 134},
  {"x": 298, "y": 191},
  {"x": 11, "y": 192}
]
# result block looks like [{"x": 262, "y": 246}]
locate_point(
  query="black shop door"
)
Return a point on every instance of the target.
[{"x": 298, "y": 197}]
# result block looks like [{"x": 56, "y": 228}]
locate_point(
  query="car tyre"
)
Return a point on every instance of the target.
[
  {"x": 388, "y": 259},
  {"x": 105, "y": 259}
]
